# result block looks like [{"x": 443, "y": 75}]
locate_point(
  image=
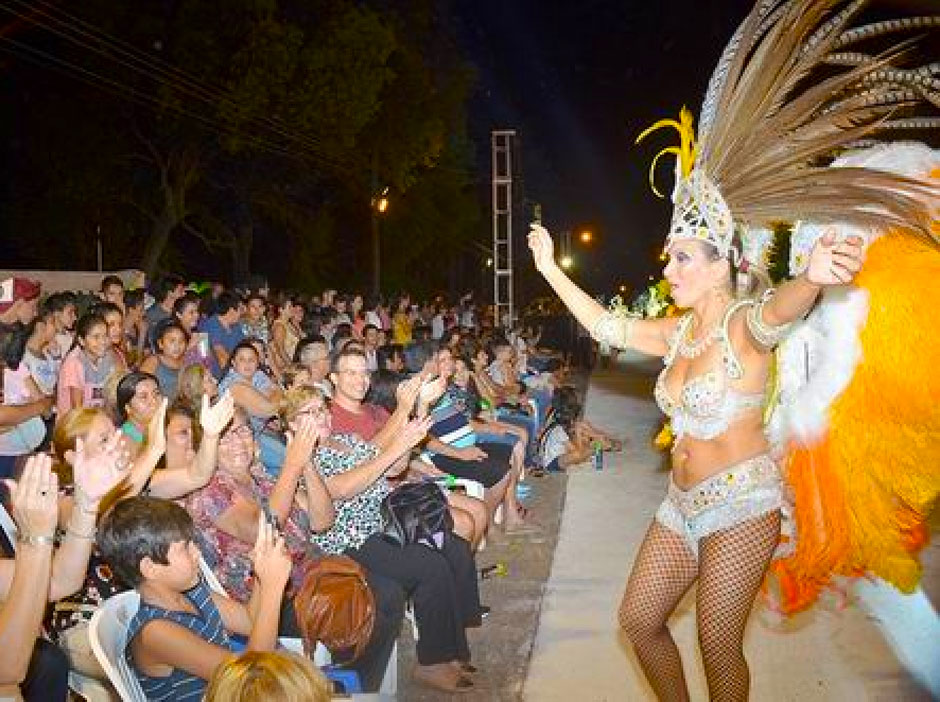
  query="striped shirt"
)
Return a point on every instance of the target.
[
  {"x": 451, "y": 424},
  {"x": 207, "y": 624}
]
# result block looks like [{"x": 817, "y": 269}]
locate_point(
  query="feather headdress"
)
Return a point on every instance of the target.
[{"x": 787, "y": 96}]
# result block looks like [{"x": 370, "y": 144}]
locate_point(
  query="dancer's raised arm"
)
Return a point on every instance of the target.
[{"x": 644, "y": 335}]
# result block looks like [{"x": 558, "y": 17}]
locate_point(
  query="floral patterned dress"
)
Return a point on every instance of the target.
[{"x": 230, "y": 557}]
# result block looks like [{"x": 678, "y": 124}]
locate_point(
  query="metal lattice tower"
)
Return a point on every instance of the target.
[{"x": 502, "y": 226}]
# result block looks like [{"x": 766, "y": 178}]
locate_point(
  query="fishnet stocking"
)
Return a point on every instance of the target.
[
  {"x": 732, "y": 563},
  {"x": 663, "y": 571}
]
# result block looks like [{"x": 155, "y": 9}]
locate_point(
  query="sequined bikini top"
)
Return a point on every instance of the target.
[{"x": 706, "y": 405}]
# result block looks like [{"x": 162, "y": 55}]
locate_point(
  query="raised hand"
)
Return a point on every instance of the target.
[
  {"x": 270, "y": 560},
  {"x": 35, "y": 498},
  {"x": 97, "y": 473},
  {"x": 542, "y": 247},
  {"x": 413, "y": 433},
  {"x": 214, "y": 418},
  {"x": 156, "y": 429},
  {"x": 407, "y": 391},
  {"x": 834, "y": 262},
  {"x": 302, "y": 440},
  {"x": 432, "y": 391}
]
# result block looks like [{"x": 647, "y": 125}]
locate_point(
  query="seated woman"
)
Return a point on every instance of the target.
[
  {"x": 186, "y": 312},
  {"x": 37, "y": 575},
  {"x": 25, "y": 403},
  {"x": 441, "y": 583},
  {"x": 114, "y": 317},
  {"x": 257, "y": 395},
  {"x": 93, "y": 432},
  {"x": 87, "y": 366},
  {"x": 469, "y": 513},
  {"x": 488, "y": 430},
  {"x": 194, "y": 382},
  {"x": 568, "y": 440},
  {"x": 226, "y": 516},
  {"x": 138, "y": 397},
  {"x": 171, "y": 341},
  {"x": 493, "y": 400},
  {"x": 286, "y": 333},
  {"x": 455, "y": 449},
  {"x": 135, "y": 327}
]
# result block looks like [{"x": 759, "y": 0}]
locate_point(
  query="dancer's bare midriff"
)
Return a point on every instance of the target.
[{"x": 694, "y": 460}]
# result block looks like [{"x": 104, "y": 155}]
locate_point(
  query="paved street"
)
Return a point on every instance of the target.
[{"x": 831, "y": 653}]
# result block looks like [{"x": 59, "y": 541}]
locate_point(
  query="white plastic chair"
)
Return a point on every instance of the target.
[
  {"x": 8, "y": 526},
  {"x": 108, "y": 635}
]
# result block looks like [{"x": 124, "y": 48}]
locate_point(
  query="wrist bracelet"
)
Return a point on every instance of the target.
[
  {"x": 37, "y": 540},
  {"x": 72, "y": 531}
]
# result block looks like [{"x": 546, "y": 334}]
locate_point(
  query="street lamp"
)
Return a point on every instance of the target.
[
  {"x": 381, "y": 202},
  {"x": 379, "y": 206},
  {"x": 566, "y": 262},
  {"x": 586, "y": 236}
]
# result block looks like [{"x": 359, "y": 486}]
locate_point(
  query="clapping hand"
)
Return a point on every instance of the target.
[
  {"x": 407, "y": 391},
  {"x": 270, "y": 560},
  {"x": 302, "y": 441},
  {"x": 35, "y": 498},
  {"x": 542, "y": 247},
  {"x": 96, "y": 475},
  {"x": 214, "y": 418},
  {"x": 156, "y": 429},
  {"x": 834, "y": 262},
  {"x": 432, "y": 391},
  {"x": 413, "y": 433}
]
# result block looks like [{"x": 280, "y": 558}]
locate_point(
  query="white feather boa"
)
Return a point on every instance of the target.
[{"x": 815, "y": 364}]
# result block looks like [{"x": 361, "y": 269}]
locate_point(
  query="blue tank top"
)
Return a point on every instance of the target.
[
  {"x": 168, "y": 379},
  {"x": 207, "y": 624}
]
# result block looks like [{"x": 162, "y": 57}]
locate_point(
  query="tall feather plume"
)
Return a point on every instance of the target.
[{"x": 788, "y": 96}]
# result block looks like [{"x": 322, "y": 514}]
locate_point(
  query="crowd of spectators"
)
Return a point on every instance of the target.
[{"x": 142, "y": 433}]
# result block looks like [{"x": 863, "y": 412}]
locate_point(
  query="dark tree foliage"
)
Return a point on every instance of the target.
[{"x": 227, "y": 137}]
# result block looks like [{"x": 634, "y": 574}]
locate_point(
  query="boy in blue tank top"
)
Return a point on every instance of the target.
[{"x": 180, "y": 634}]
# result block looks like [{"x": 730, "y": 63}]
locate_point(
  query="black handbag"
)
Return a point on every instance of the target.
[{"x": 414, "y": 512}]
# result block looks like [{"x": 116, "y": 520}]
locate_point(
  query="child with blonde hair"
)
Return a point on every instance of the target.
[{"x": 262, "y": 676}]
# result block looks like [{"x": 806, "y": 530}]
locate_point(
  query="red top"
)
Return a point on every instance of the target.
[{"x": 365, "y": 424}]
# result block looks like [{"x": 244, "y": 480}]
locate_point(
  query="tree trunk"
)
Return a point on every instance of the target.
[
  {"x": 242, "y": 245},
  {"x": 157, "y": 241}
]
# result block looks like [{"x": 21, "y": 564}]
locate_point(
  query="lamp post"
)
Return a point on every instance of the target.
[{"x": 378, "y": 207}]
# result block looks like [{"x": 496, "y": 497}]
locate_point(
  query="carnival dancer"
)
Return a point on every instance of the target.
[{"x": 758, "y": 160}]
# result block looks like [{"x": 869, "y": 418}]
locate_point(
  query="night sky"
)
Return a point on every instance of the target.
[{"x": 579, "y": 81}]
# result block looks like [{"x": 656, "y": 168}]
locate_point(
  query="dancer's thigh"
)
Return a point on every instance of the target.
[
  {"x": 732, "y": 564},
  {"x": 662, "y": 573}
]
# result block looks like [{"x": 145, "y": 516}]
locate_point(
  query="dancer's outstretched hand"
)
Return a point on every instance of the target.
[
  {"x": 543, "y": 249},
  {"x": 835, "y": 262}
]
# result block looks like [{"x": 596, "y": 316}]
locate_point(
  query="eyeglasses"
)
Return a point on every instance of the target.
[{"x": 314, "y": 412}]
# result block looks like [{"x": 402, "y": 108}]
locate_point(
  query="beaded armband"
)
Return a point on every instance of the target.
[
  {"x": 613, "y": 330},
  {"x": 763, "y": 333}
]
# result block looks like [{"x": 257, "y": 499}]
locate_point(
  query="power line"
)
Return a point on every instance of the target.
[
  {"x": 153, "y": 66},
  {"x": 163, "y": 76},
  {"x": 37, "y": 56}
]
